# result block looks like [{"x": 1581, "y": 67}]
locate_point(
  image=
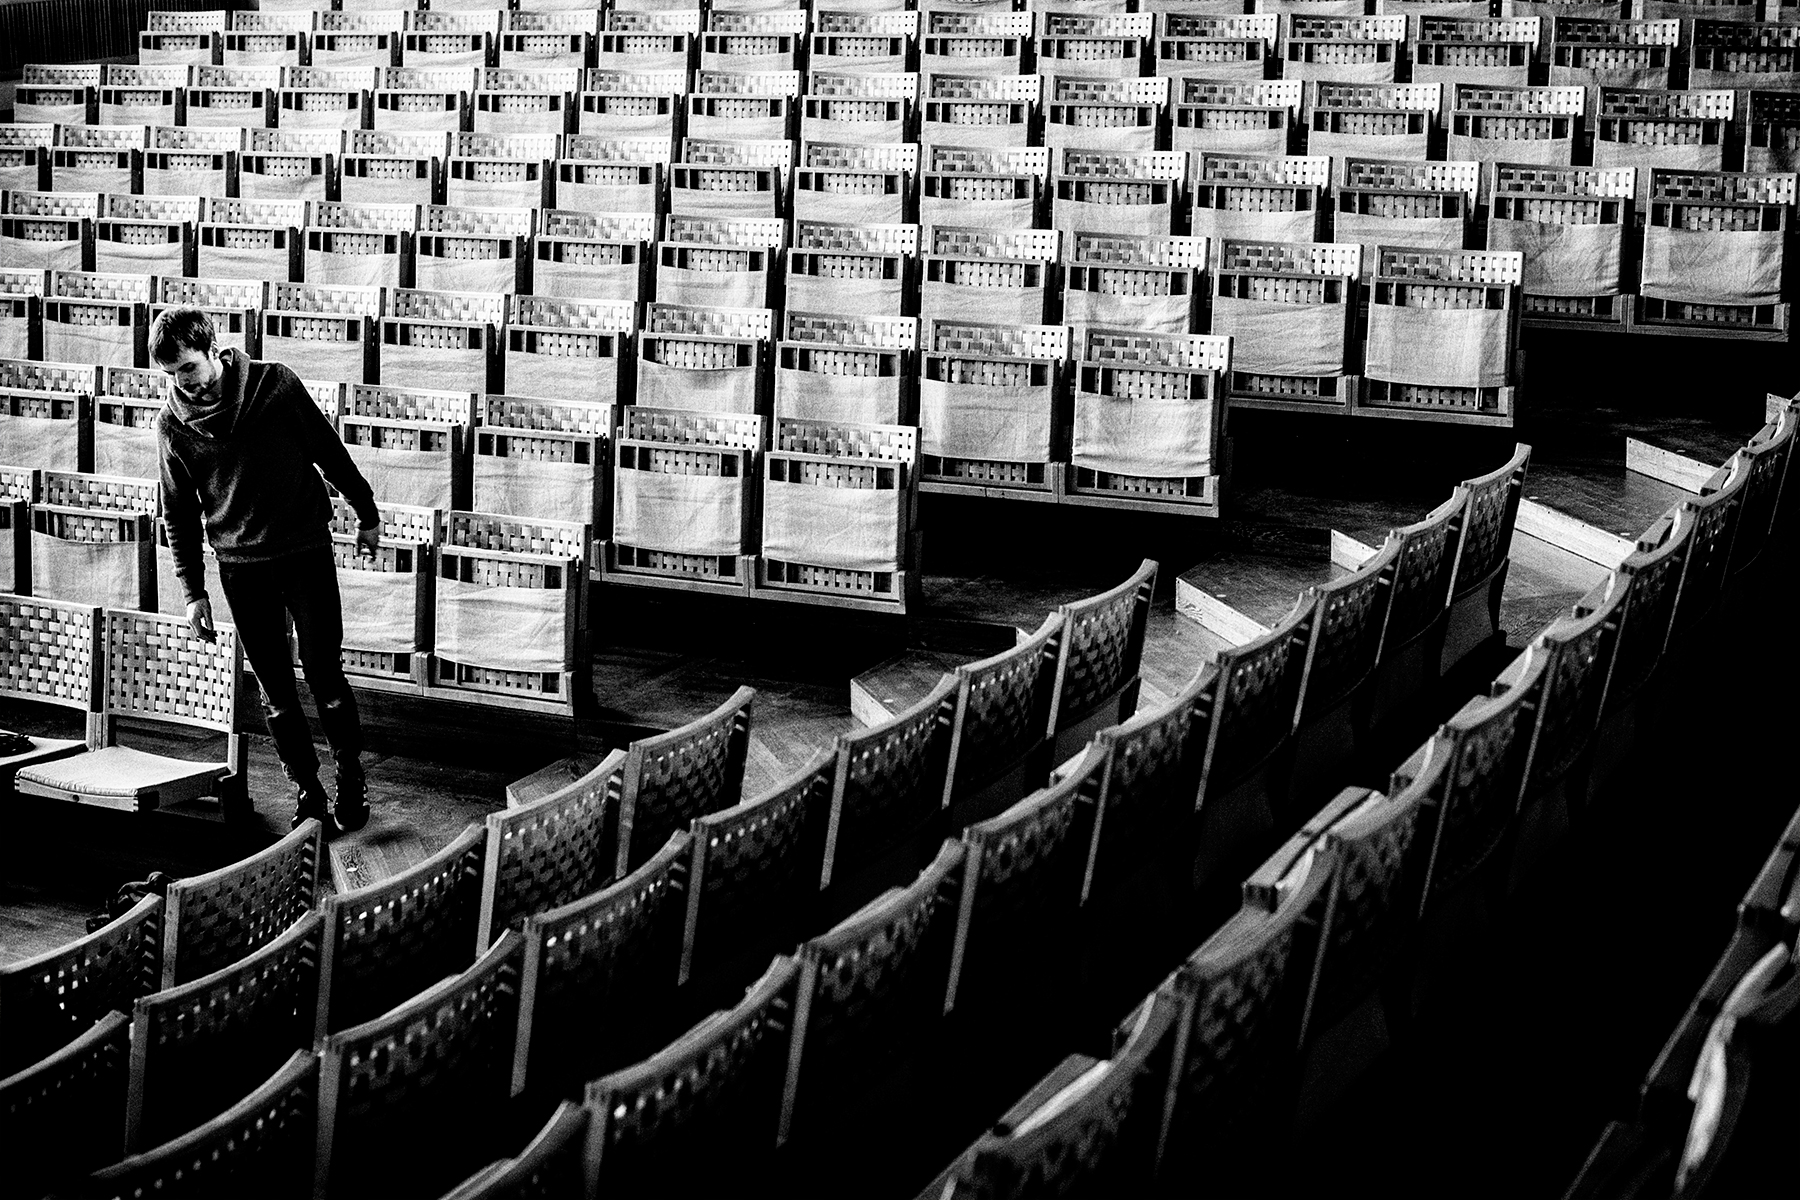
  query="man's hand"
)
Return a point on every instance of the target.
[
  {"x": 199, "y": 615},
  {"x": 368, "y": 541}
]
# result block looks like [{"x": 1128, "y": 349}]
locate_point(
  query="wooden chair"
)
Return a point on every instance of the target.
[
  {"x": 1250, "y": 720},
  {"x": 47, "y": 656},
  {"x": 1341, "y": 655},
  {"x": 1088, "y": 1128},
  {"x": 431, "y": 1073},
  {"x": 1483, "y": 547},
  {"x": 997, "y": 744},
  {"x": 869, "y": 994},
  {"x": 1714, "y": 516},
  {"x": 1412, "y": 629},
  {"x": 199, "y": 1047},
  {"x": 260, "y": 1146},
  {"x": 155, "y": 669},
  {"x": 65, "y": 1115},
  {"x": 391, "y": 940},
  {"x": 213, "y": 920},
  {"x": 599, "y": 976},
  {"x": 753, "y": 866},
  {"x": 548, "y": 852},
  {"x": 552, "y": 1167},
  {"x": 699, "y": 1116},
  {"x": 887, "y": 799},
  {"x": 49, "y": 1000},
  {"x": 1764, "y": 463},
  {"x": 674, "y": 777},
  {"x": 1097, "y": 662}
]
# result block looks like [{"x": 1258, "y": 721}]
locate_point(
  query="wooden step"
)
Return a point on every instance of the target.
[
  {"x": 1237, "y": 596},
  {"x": 890, "y": 688},
  {"x": 557, "y": 775}
]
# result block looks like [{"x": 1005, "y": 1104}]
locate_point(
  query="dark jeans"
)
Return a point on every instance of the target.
[{"x": 262, "y": 596}]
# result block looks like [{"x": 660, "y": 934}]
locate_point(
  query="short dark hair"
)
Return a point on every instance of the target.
[{"x": 178, "y": 329}]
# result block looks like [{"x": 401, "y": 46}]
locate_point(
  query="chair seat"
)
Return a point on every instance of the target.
[
  {"x": 120, "y": 777},
  {"x": 42, "y": 750}
]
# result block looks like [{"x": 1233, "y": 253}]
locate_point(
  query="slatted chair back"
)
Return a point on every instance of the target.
[
  {"x": 1152, "y": 780},
  {"x": 1372, "y": 859},
  {"x": 1239, "y": 989},
  {"x": 888, "y": 785},
  {"x": 49, "y": 1000},
  {"x": 1097, "y": 661},
  {"x": 1099, "y": 1134},
  {"x": 430, "y": 1073},
  {"x": 393, "y": 939},
  {"x": 261, "y": 1146},
  {"x": 1002, "y": 710},
  {"x": 1487, "y": 523},
  {"x": 47, "y": 653},
  {"x": 552, "y": 1167},
  {"x": 752, "y": 867},
  {"x": 1578, "y": 653},
  {"x": 1424, "y": 560},
  {"x": 703, "y": 1109},
  {"x": 869, "y": 990},
  {"x": 1484, "y": 748},
  {"x": 1763, "y": 462},
  {"x": 1346, "y": 633},
  {"x": 65, "y": 1114},
  {"x": 549, "y": 852},
  {"x": 218, "y": 918},
  {"x": 197, "y": 1048},
  {"x": 1021, "y": 885},
  {"x": 1714, "y": 516},
  {"x": 599, "y": 975},
  {"x": 1253, "y": 703},
  {"x": 674, "y": 777},
  {"x": 1651, "y": 581}
]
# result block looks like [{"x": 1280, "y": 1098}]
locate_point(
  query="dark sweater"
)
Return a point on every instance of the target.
[{"x": 247, "y": 470}]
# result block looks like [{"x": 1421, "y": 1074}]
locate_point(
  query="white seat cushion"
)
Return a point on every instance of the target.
[{"x": 120, "y": 777}]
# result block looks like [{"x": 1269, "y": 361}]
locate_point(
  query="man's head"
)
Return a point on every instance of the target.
[{"x": 185, "y": 345}]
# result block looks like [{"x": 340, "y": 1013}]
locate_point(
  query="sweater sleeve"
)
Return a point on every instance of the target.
[
  {"x": 326, "y": 450},
  {"x": 181, "y": 519}
]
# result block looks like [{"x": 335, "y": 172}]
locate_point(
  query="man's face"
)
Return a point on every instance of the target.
[{"x": 194, "y": 374}]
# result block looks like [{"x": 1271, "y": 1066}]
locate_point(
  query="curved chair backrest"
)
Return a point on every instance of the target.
[
  {"x": 550, "y": 851},
  {"x": 1487, "y": 522},
  {"x": 1651, "y": 581},
  {"x": 1424, "y": 560},
  {"x": 1484, "y": 748},
  {"x": 552, "y": 1166},
  {"x": 1151, "y": 784},
  {"x": 48, "y": 1001},
  {"x": 1101, "y": 1134},
  {"x": 158, "y": 670},
  {"x": 598, "y": 974},
  {"x": 676, "y": 776},
  {"x": 1764, "y": 463},
  {"x": 870, "y": 987},
  {"x": 752, "y": 866},
  {"x": 1022, "y": 875},
  {"x": 1714, "y": 517},
  {"x": 65, "y": 1115},
  {"x": 1102, "y": 643},
  {"x": 431, "y": 1072},
  {"x": 217, "y": 918},
  {"x": 708, "y": 1104},
  {"x": 1002, "y": 710},
  {"x": 1346, "y": 632},
  {"x": 47, "y": 652},
  {"x": 1237, "y": 988},
  {"x": 889, "y": 782},
  {"x": 1578, "y": 654},
  {"x": 197, "y": 1048},
  {"x": 393, "y": 939},
  {"x": 1254, "y": 700},
  {"x": 260, "y": 1146}
]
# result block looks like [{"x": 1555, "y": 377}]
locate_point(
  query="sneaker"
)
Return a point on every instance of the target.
[
  {"x": 352, "y": 808},
  {"x": 311, "y": 802}
]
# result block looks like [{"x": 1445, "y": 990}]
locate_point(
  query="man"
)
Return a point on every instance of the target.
[{"x": 239, "y": 441}]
